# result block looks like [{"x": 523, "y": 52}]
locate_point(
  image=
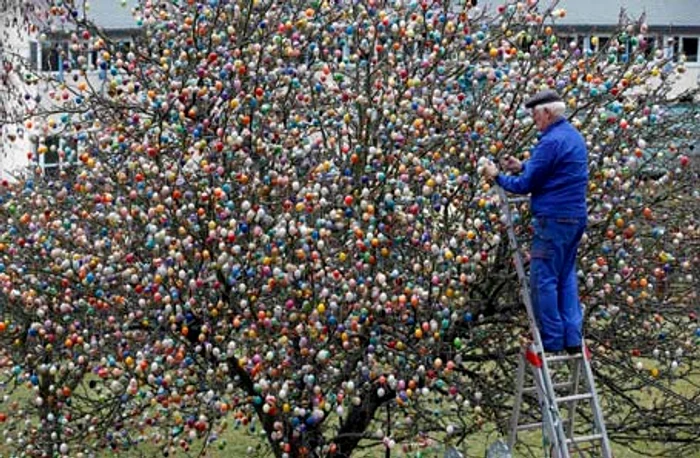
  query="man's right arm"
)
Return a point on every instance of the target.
[{"x": 534, "y": 172}]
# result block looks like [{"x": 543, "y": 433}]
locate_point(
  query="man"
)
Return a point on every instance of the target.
[{"x": 556, "y": 177}]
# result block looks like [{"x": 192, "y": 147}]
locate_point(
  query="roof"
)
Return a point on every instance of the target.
[
  {"x": 105, "y": 14},
  {"x": 110, "y": 14},
  {"x": 679, "y": 13}
]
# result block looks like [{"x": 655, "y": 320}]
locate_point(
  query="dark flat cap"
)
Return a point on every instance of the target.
[{"x": 546, "y": 96}]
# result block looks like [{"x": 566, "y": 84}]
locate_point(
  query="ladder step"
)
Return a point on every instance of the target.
[
  {"x": 560, "y": 358},
  {"x": 589, "y": 438},
  {"x": 529, "y": 426},
  {"x": 575, "y": 397},
  {"x": 533, "y": 389}
]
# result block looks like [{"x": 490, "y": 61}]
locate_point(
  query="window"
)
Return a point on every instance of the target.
[
  {"x": 61, "y": 153},
  {"x": 627, "y": 49},
  {"x": 34, "y": 55},
  {"x": 119, "y": 48},
  {"x": 123, "y": 47},
  {"x": 464, "y": 3},
  {"x": 52, "y": 161},
  {"x": 566, "y": 40},
  {"x": 595, "y": 43},
  {"x": 53, "y": 56},
  {"x": 677, "y": 46},
  {"x": 92, "y": 60},
  {"x": 50, "y": 56},
  {"x": 648, "y": 47},
  {"x": 602, "y": 43},
  {"x": 689, "y": 47}
]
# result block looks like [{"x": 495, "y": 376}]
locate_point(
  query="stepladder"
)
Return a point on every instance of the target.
[{"x": 554, "y": 393}]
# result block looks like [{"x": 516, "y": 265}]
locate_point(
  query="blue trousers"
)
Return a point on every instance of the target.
[{"x": 553, "y": 285}]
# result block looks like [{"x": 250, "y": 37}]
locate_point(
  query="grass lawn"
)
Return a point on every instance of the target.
[
  {"x": 530, "y": 444},
  {"x": 239, "y": 442}
]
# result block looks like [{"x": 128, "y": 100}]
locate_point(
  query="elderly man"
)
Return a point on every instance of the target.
[{"x": 556, "y": 177}]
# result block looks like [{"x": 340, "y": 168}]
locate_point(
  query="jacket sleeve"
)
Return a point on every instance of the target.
[{"x": 535, "y": 171}]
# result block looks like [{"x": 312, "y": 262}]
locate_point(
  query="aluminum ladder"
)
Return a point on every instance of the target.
[{"x": 559, "y": 437}]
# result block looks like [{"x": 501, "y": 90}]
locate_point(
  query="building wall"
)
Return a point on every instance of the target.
[
  {"x": 18, "y": 142},
  {"x": 22, "y": 40},
  {"x": 675, "y": 25},
  {"x": 13, "y": 40},
  {"x": 668, "y": 13}
]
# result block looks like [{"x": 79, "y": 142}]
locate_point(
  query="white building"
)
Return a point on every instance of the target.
[
  {"x": 47, "y": 51},
  {"x": 673, "y": 26}
]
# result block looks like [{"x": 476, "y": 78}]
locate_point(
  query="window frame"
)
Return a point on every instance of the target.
[
  {"x": 53, "y": 168},
  {"x": 38, "y": 49},
  {"x": 682, "y": 39},
  {"x": 673, "y": 47},
  {"x": 588, "y": 46}
]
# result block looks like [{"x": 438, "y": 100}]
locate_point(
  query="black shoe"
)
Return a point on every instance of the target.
[{"x": 573, "y": 350}]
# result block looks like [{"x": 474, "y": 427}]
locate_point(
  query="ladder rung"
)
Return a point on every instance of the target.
[
  {"x": 533, "y": 389},
  {"x": 559, "y": 358},
  {"x": 575, "y": 397},
  {"x": 589, "y": 438},
  {"x": 515, "y": 200},
  {"x": 529, "y": 426}
]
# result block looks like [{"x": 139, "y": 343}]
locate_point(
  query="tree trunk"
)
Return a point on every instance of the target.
[{"x": 357, "y": 421}]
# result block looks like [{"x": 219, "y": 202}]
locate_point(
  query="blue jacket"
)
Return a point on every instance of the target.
[{"x": 556, "y": 175}]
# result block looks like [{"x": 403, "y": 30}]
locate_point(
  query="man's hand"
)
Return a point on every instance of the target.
[
  {"x": 489, "y": 170},
  {"x": 511, "y": 164}
]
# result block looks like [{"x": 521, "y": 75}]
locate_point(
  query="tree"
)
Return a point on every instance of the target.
[{"x": 277, "y": 218}]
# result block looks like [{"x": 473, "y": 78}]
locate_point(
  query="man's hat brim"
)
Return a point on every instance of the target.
[{"x": 541, "y": 98}]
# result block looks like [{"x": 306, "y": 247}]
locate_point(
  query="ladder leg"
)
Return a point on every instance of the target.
[
  {"x": 552, "y": 428},
  {"x": 595, "y": 405},
  {"x": 575, "y": 381},
  {"x": 550, "y": 410},
  {"x": 515, "y": 417}
]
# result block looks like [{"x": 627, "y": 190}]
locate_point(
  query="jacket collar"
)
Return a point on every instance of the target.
[{"x": 559, "y": 120}]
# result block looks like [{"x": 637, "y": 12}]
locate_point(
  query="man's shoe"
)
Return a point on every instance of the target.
[{"x": 573, "y": 350}]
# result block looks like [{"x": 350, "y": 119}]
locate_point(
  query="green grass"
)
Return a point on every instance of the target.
[{"x": 239, "y": 441}]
